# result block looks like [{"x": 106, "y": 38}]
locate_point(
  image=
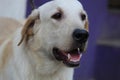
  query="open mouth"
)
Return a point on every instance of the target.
[{"x": 70, "y": 58}]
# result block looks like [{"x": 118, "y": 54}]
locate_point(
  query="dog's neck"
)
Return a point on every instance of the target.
[
  {"x": 42, "y": 64},
  {"x": 46, "y": 68}
]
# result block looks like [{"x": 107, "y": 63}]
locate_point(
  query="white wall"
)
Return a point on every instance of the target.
[{"x": 13, "y": 8}]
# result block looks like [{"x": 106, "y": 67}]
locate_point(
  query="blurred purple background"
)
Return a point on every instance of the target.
[{"x": 102, "y": 59}]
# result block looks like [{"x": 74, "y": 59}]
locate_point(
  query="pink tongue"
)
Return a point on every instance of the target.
[{"x": 74, "y": 57}]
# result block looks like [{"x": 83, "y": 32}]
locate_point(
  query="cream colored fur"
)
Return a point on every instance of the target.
[{"x": 27, "y": 55}]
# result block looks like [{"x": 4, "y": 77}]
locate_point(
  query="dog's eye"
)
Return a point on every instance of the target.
[
  {"x": 83, "y": 17},
  {"x": 57, "y": 16}
]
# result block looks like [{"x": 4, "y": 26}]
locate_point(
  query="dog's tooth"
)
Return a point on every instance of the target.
[
  {"x": 80, "y": 55},
  {"x": 79, "y": 50},
  {"x": 69, "y": 56}
]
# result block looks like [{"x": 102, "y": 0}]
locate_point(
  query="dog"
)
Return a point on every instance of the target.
[
  {"x": 7, "y": 27},
  {"x": 49, "y": 45}
]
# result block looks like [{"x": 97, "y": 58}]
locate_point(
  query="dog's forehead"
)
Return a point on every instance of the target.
[
  {"x": 68, "y": 3},
  {"x": 63, "y": 4}
]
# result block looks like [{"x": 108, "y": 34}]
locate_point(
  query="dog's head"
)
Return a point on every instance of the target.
[{"x": 59, "y": 29}]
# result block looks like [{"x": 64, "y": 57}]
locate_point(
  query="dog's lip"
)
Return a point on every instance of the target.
[{"x": 71, "y": 58}]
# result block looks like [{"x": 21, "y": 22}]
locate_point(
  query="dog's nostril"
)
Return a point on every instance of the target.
[{"x": 80, "y": 35}]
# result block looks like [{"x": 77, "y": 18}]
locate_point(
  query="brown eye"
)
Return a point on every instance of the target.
[
  {"x": 83, "y": 17},
  {"x": 57, "y": 16}
]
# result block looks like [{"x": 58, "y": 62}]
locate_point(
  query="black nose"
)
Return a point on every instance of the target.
[{"x": 80, "y": 35}]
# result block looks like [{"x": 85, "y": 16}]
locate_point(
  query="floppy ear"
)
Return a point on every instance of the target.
[{"x": 27, "y": 30}]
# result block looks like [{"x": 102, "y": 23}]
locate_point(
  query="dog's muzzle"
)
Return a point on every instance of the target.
[{"x": 72, "y": 56}]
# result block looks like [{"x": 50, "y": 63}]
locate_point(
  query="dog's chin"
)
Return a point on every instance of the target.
[{"x": 70, "y": 58}]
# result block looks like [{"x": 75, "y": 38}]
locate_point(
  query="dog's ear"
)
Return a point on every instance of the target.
[
  {"x": 27, "y": 30},
  {"x": 87, "y": 25}
]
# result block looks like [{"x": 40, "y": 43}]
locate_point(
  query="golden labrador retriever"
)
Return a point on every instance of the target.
[{"x": 49, "y": 45}]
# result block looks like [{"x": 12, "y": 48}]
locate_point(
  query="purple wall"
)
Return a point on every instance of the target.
[
  {"x": 98, "y": 16},
  {"x": 107, "y": 64}
]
